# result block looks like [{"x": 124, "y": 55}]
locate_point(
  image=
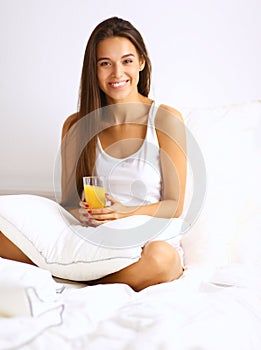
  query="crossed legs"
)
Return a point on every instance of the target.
[{"x": 159, "y": 263}]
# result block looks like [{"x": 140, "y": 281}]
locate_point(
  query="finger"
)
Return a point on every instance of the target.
[
  {"x": 84, "y": 204},
  {"x": 84, "y": 216},
  {"x": 100, "y": 211},
  {"x": 104, "y": 217},
  {"x": 84, "y": 212},
  {"x": 111, "y": 198},
  {"x": 84, "y": 220}
]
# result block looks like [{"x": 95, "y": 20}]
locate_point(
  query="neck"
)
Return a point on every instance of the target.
[
  {"x": 122, "y": 113},
  {"x": 128, "y": 112}
]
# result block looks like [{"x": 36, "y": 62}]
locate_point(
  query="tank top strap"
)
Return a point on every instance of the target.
[{"x": 151, "y": 135}]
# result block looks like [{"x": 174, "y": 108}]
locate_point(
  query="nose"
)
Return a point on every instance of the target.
[{"x": 117, "y": 70}]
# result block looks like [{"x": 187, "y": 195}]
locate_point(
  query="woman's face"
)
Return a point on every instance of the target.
[{"x": 118, "y": 67}]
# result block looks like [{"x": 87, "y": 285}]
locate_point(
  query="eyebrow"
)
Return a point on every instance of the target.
[{"x": 107, "y": 58}]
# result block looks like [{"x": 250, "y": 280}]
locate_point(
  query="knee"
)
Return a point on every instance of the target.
[{"x": 164, "y": 261}]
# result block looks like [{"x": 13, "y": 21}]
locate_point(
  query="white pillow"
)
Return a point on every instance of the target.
[
  {"x": 228, "y": 228},
  {"x": 54, "y": 240},
  {"x": 44, "y": 231}
]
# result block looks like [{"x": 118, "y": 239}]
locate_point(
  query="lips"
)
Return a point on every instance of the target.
[{"x": 118, "y": 84}]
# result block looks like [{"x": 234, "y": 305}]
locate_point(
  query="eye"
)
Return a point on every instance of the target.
[
  {"x": 128, "y": 60},
  {"x": 104, "y": 64}
]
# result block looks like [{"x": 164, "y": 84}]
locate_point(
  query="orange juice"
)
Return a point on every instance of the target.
[{"x": 95, "y": 196}]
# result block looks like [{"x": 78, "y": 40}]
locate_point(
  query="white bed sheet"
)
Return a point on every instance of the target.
[{"x": 200, "y": 311}]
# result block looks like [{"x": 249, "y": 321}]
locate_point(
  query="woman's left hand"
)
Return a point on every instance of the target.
[{"x": 115, "y": 211}]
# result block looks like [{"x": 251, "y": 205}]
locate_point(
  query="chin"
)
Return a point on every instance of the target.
[{"x": 120, "y": 98}]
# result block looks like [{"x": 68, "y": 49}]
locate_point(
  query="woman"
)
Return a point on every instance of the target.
[
  {"x": 124, "y": 126},
  {"x": 116, "y": 77}
]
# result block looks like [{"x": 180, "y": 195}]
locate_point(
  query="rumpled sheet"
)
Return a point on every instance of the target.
[{"x": 200, "y": 311}]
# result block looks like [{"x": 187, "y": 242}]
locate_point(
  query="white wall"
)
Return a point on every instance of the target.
[{"x": 204, "y": 53}]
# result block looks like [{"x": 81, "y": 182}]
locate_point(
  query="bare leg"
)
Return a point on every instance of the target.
[
  {"x": 9, "y": 250},
  {"x": 159, "y": 263}
]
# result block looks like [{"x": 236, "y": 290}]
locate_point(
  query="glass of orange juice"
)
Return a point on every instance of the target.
[{"x": 94, "y": 191}]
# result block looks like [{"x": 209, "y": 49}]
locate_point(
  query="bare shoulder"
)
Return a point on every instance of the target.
[
  {"x": 168, "y": 110},
  {"x": 170, "y": 127},
  {"x": 168, "y": 119},
  {"x": 72, "y": 119}
]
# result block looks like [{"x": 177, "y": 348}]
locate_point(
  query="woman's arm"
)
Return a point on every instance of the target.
[
  {"x": 70, "y": 198},
  {"x": 172, "y": 140}
]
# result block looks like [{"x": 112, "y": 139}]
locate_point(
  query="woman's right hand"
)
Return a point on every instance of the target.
[
  {"x": 84, "y": 216},
  {"x": 81, "y": 213}
]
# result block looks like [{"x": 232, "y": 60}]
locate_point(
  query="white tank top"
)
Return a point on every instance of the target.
[{"x": 136, "y": 179}]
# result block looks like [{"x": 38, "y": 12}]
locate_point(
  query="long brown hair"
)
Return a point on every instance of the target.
[{"x": 91, "y": 97}]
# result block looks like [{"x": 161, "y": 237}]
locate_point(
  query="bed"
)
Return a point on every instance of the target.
[{"x": 216, "y": 304}]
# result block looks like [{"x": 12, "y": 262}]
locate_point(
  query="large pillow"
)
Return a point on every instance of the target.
[
  {"x": 54, "y": 240},
  {"x": 229, "y": 224}
]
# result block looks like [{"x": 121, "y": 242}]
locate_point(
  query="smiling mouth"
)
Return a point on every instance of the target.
[{"x": 118, "y": 84}]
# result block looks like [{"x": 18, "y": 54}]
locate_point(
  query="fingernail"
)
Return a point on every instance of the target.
[
  {"x": 86, "y": 205},
  {"x": 89, "y": 211}
]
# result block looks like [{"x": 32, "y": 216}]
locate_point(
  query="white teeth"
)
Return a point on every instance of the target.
[{"x": 118, "y": 84}]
